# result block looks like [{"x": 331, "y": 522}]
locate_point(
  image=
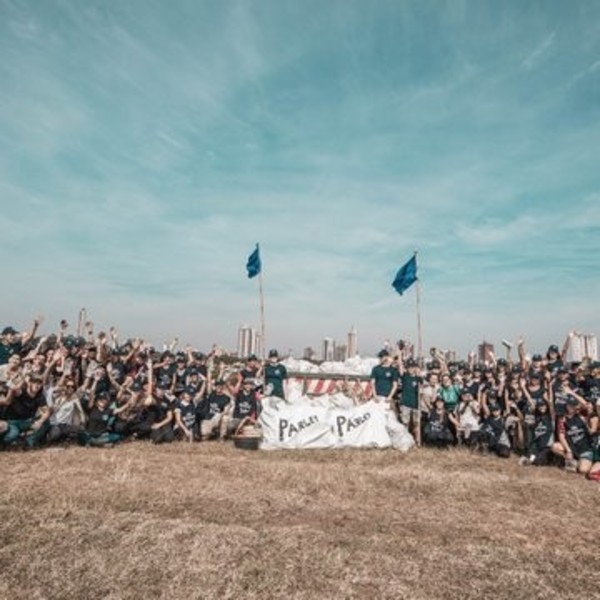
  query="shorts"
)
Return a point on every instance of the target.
[
  {"x": 589, "y": 455},
  {"x": 408, "y": 414}
]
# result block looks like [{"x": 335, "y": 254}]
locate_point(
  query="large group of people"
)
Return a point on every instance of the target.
[
  {"x": 92, "y": 389},
  {"x": 539, "y": 408}
]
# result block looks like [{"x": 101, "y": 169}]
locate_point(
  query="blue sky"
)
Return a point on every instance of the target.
[{"x": 146, "y": 146}]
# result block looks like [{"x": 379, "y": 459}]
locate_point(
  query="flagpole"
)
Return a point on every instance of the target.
[
  {"x": 262, "y": 315},
  {"x": 419, "y": 330}
]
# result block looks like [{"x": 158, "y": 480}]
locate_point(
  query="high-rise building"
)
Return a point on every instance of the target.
[
  {"x": 248, "y": 341},
  {"x": 583, "y": 345},
  {"x": 339, "y": 352},
  {"x": 328, "y": 349},
  {"x": 258, "y": 345},
  {"x": 484, "y": 350},
  {"x": 352, "y": 346}
]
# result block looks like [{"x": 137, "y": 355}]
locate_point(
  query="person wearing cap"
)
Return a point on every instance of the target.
[
  {"x": 493, "y": 431},
  {"x": 251, "y": 370},
  {"x": 161, "y": 412},
  {"x": 575, "y": 443},
  {"x": 437, "y": 431},
  {"x": 528, "y": 398},
  {"x": 384, "y": 379},
  {"x": 245, "y": 407},
  {"x": 554, "y": 360},
  {"x": 539, "y": 448},
  {"x": 186, "y": 421},
  {"x": 26, "y": 413},
  {"x": 275, "y": 375},
  {"x": 559, "y": 392},
  {"x": 155, "y": 416},
  {"x": 196, "y": 381},
  {"x": 410, "y": 411},
  {"x": 472, "y": 382},
  {"x": 180, "y": 372},
  {"x": 98, "y": 431},
  {"x": 115, "y": 369},
  {"x": 12, "y": 342},
  {"x": 212, "y": 410}
]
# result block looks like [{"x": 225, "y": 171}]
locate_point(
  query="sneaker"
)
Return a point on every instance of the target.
[
  {"x": 571, "y": 466},
  {"x": 524, "y": 461}
]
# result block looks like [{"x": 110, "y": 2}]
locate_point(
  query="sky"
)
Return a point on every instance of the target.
[{"x": 147, "y": 146}]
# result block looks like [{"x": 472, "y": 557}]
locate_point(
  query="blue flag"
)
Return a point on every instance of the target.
[
  {"x": 254, "y": 265},
  {"x": 406, "y": 276}
]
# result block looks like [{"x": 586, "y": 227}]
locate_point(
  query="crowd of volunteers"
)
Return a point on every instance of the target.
[
  {"x": 540, "y": 408},
  {"x": 94, "y": 390}
]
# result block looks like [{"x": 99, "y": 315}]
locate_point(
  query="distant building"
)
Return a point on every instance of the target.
[
  {"x": 309, "y": 354},
  {"x": 248, "y": 341},
  {"x": 352, "y": 346},
  {"x": 583, "y": 345},
  {"x": 258, "y": 345},
  {"x": 484, "y": 350},
  {"x": 450, "y": 355},
  {"x": 339, "y": 352},
  {"x": 328, "y": 349}
]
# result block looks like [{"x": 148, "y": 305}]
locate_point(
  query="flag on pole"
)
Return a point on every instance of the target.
[
  {"x": 253, "y": 266},
  {"x": 406, "y": 276}
]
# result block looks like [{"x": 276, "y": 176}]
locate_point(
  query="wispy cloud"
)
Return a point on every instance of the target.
[
  {"x": 539, "y": 51},
  {"x": 146, "y": 148}
]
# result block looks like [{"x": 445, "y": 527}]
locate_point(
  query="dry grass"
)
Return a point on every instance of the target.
[{"x": 210, "y": 521}]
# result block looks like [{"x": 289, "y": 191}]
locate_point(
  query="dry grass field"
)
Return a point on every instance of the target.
[{"x": 209, "y": 521}]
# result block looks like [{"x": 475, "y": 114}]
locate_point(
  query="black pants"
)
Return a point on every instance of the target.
[
  {"x": 59, "y": 433},
  {"x": 163, "y": 435},
  {"x": 541, "y": 457}
]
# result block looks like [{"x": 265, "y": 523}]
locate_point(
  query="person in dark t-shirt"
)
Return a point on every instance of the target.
[
  {"x": 245, "y": 407},
  {"x": 212, "y": 410},
  {"x": 26, "y": 413},
  {"x": 275, "y": 375}
]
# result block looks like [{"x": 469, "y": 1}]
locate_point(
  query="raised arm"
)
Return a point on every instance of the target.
[{"x": 34, "y": 327}]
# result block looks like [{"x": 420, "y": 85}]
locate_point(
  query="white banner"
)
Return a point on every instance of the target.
[{"x": 318, "y": 424}]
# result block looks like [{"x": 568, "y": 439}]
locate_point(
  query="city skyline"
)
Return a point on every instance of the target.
[{"x": 145, "y": 148}]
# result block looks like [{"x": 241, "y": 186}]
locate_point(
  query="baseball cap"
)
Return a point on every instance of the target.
[
  {"x": 383, "y": 353},
  {"x": 273, "y": 353}
]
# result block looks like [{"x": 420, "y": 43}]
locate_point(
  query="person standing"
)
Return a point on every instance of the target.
[
  {"x": 384, "y": 379},
  {"x": 410, "y": 412},
  {"x": 275, "y": 375}
]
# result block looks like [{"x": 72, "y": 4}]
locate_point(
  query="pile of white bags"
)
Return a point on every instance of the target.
[{"x": 329, "y": 422}]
